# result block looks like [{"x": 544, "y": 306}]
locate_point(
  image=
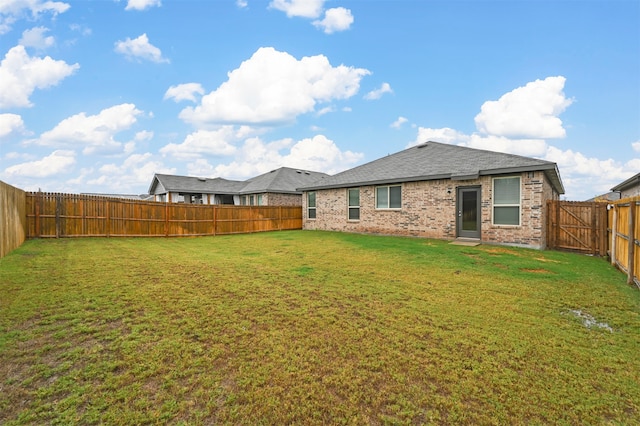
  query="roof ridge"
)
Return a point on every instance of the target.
[{"x": 488, "y": 151}]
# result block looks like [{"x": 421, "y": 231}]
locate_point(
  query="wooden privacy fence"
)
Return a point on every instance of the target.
[
  {"x": 577, "y": 226},
  {"x": 12, "y": 218},
  {"x": 625, "y": 233},
  {"x": 70, "y": 215}
]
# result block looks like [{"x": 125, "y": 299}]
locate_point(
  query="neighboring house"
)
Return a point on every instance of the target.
[
  {"x": 628, "y": 188},
  {"x": 439, "y": 191},
  {"x": 275, "y": 188},
  {"x": 605, "y": 198}
]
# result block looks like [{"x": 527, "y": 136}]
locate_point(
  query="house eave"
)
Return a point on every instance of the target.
[{"x": 632, "y": 181}]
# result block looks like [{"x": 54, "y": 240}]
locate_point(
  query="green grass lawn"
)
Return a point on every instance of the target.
[{"x": 304, "y": 327}]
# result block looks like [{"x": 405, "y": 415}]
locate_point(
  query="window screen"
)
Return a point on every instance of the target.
[
  {"x": 506, "y": 201},
  {"x": 354, "y": 204}
]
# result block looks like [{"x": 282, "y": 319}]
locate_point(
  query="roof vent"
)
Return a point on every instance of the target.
[
  {"x": 298, "y": 171},
  {"x": 422, "y": 145},
  {"x": 307, "y": 173},
  {"x": 201, "y": 179}
]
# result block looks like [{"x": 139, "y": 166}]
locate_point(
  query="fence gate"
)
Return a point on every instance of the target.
[{"x": 577, "y": 226}]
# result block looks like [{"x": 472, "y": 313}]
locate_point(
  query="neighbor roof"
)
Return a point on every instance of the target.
[
  {"x": 631, "y": 182},
  {"x": 282, "y": 180},
  {"x": 433, "y": 160},
  {"x": 174, "y": 183}
]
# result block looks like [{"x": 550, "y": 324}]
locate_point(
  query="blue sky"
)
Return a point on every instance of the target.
[{"x": 97, "y": 96}]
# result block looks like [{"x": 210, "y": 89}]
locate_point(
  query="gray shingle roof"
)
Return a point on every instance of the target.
[
  {"x": 174, "y": 183},
  {"x": 433, "y": 160},
  {"x": 282, "y": 180}
]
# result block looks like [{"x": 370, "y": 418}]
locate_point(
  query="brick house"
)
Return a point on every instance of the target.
[
  {"x": 275, "y": 188},
  {"x": 440, "y": 191}
]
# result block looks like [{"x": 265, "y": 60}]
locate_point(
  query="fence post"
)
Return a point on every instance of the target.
[
  {"x": 166, "y": 218},
  {"x": 557, "y": 236},
  {"x": 58, "y": 207},
  {"x": 215, "y": 219},
  {"x": 108, "y": 224},
  {"x": 631, "y": 242},
  {"x": 38, "y": 200},
  {"x": 614, "y": 234},
  {"x": 594, "y": 229}
]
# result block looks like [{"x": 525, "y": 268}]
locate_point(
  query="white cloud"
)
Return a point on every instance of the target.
[
  {"x": 21, "y": 74},
  {"x": 537, "y": 102},
  {"x": 82, "y": 29},
  {"x": 377, "y": 93},
  {"x": 58, "y": 162},
  {"x": 204, "y": 142},
  {"x": 94, "y": 132},
  {"x": 141, "y": 136},
  {"x": 526, "y": 112},
  {"x": 588, "y": 176},
  {"x": 301, "y": 8},
  {"x": 184, "y": 92},
  {"x": 321, "y": 154},
  {"x": 399, "y": 122},
  {"x": 336, "y": 19},
  {"x": 526, "y": 147},
  {"x": 241, "y": 3},
  {"x": 135, "y": 171},
  {"x": 35, "y": 37},
  {"x": 274, "y": 87},
  {"x": 444, "y": 135},
  {"x": 325, "y": 110},
  {"x": 10, "y": 123},
  {"x": 142, "y": 4},
  {"x": 256, "y": 157},
  {"x": 13, "y": 10},
  {"x": 140, "y": 49}
]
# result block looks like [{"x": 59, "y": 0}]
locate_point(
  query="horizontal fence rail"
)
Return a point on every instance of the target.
[{"x": 54, "y": 215}]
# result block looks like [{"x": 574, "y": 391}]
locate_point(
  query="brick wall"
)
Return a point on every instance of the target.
[
  {"x": 277, "y": 199},
  {"x": 429, "y": 210}
]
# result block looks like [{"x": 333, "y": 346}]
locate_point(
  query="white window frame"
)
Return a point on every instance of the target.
[
  {"x": 494, "y": 205},
  {"x": 350, "y": 207},
  {"x": 388, "y": 197},
  {"x": 314, "y": 207}
]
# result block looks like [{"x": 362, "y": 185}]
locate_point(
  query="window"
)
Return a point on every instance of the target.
[
  {"x": 250, "y": 200},
  {"x": 311, "y": 205},
  {"x": 389, "y": 197},
  {"x": 354, "y": 204},
  {"x": 506, "y": 201},
  {"x": 259, "y": 199}
]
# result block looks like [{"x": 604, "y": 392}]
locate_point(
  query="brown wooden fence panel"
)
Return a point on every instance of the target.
[
  {"x": 13, "y": 227},
  {"x": 577, "y": 226},
  {"x": 69, "y": 215}
]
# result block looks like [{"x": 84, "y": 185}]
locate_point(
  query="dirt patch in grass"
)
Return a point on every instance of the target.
[{"x": 536, "y": 270}]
